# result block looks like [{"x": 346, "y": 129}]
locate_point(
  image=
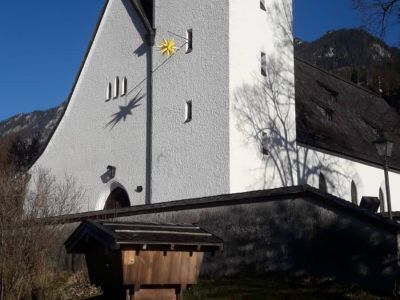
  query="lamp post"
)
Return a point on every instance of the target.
[{"x": 384, "y": 148}]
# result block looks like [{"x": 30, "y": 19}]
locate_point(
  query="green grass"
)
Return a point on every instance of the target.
[{"x": 273, "y": 288}]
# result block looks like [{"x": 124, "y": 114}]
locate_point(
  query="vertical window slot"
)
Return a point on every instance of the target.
[
  {"x": 322, "y": 183},
  {"x": 108, "y": 92},
  {"x": 264, "y": 143},
  {"x": 263, "y": 64},
  {"x": 189, "y": 41},
  {"x": 354, "y": 193},
  {"x": 188, "y": 111},
  {"x": 116, "y": 87},
  {"x": 124, "y": 86}
]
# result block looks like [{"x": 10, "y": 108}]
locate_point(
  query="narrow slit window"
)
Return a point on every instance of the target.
[
  {"x": 188, "y": 111},
  {"x": 124, "y": 86},
  {"x": 116, "y": 87},
  {"x": 264, "y": 143},
  {"x": 322, "y": 183},
  {"x": 108, "y": 92},
  {"x": 263, "y": 64},
  {"x": 189, "y": 41},
  {"x": 354, "y": 194},
  {"x": 262, "y": 5}
]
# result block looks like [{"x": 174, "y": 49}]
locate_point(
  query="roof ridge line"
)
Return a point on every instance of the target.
[{"x": 337, "y": 77}]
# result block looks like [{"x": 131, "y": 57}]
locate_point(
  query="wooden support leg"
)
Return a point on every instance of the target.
[
  {"x": 178, "y": 293},
  {"x": 130, "y": 294},
  {"x": 117, "y": 294}
]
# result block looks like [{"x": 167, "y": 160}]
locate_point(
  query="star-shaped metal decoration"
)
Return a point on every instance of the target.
[{"x": 168, "y": 47}]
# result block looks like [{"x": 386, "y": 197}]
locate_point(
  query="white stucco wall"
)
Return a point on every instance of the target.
[
  {"x": 267, "y": 104},
  {"x": 340, "y": 172},
  {"x": 219, "y": 150},
  {"x": 191, "y": 159},
  {"x": 253, "y": 108},
  {"x": 83, "y": 145}
]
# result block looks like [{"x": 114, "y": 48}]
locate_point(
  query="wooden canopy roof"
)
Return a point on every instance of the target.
[{"x": 142, "y": 236}]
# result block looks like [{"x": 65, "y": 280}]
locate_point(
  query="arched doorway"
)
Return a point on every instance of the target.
[{"x": 117, "y": 199}]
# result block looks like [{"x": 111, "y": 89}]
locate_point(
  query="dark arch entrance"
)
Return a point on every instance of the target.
[{"x": 117, "y": 199}]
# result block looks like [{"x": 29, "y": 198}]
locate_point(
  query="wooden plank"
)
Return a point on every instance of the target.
[
  {"x": 164, "y": 232},
  {"x": 155, "y": 268}
]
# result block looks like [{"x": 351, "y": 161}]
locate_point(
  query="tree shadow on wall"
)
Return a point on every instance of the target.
[
  {"x": 266, "y": 117},
  {"x": 125, "y": 111},
  {"x": 265, "y": 112}
]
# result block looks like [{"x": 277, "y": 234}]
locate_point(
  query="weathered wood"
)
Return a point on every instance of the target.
[{"x": 155, "y": 268}]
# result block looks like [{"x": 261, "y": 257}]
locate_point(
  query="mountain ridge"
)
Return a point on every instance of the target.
[{"x": 358, "y": 56}]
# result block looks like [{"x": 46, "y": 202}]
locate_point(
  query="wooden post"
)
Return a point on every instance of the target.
[
  {"x": 130, "y": 294},
  {"x": 178, "y": 293},
  {"x": 117, "y": 294}
]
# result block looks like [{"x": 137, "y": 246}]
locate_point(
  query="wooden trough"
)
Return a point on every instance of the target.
[{"x": 142, "y": 260}]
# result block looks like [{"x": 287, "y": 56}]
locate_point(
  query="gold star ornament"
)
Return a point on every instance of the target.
[{"x": 168, "y": 47}]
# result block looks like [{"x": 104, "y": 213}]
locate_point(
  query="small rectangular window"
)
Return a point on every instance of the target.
[
  {"x": 108, "y": 92},
  {"x": 262, "y": 5},
  {"x": 116, "y": 87},
  {"x": 124, "y": 86},
  {"x": 264, "y": 143},
  {"x": 189, "y": 41},
  {"x": 188, "y": 111},
  {"x": 263, "y": 64}
]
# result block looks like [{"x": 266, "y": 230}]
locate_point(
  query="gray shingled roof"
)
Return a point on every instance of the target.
[
  {"x": 144, "y": 236},
  {"x": 342, "y": 118}
]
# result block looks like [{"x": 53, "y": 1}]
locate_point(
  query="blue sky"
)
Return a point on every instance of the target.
[{"x": 42, "y": 44}]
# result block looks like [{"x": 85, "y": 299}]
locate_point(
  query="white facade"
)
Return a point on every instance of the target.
[
  {"x": 85, "y": 142},
  {"x": 128, "y": 109}
]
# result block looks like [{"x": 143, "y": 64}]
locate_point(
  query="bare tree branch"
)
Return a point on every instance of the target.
[{"x": 379, "y": 15}]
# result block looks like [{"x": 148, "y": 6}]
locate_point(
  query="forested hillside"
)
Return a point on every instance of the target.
[{"x": 358, "y": 56}]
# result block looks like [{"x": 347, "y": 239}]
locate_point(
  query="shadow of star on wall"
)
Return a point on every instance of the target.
[{"x": 125, "y": 111}]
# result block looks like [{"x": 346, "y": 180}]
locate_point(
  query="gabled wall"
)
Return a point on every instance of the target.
[{"x": 94, "y": 133}]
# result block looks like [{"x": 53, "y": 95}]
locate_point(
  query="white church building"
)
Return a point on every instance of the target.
[{"x": 230, "y": 111}]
